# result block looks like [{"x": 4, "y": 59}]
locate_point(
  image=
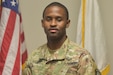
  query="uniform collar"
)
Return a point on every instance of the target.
[{"x": 58, "y": 54}]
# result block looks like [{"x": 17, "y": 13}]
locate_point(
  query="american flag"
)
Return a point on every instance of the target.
[{"x": 13, "y": 51}]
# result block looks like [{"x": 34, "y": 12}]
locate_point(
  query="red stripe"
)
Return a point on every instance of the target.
[
  {"x": 16, "y": 68},
  {"x": 7, "y": 39},
  {"x": 24, "y": 57},
  {"x": 22, "y": 37},
  {"x": 20, "y": 18}
]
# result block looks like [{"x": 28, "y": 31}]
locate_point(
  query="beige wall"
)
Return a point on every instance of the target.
[
  {"x": 34, "y": 34},
  {"x": 106, "y": 8},
  {"x": 32, "y": 15}
]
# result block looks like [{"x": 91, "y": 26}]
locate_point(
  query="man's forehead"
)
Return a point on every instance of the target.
[
  {"x": 55, "y": 9},
  {"x": 60, "y": 6}
]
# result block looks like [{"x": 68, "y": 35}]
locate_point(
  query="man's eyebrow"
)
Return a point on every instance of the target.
[
  {"x": 48, "y": 16},
  {"x": 58, "y": 16}
]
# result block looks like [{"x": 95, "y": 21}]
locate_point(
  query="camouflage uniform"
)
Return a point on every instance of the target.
[{"x": 70, "y": 59}]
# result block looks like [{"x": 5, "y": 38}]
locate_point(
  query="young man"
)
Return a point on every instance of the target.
[{"x": 59, "y": 56}]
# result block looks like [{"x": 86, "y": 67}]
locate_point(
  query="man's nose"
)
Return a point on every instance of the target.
[{"x": 53, "y": 23}]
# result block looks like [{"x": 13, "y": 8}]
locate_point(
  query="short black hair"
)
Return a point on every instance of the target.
[{"x": 59, "y": 5}]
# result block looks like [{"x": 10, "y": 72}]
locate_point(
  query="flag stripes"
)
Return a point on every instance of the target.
[
  {"x": 6, "y": 40},
  {"x": 13, "y": 51},
  {"x": 9, "y": 45},
  {"x": 23, "y": 45}
]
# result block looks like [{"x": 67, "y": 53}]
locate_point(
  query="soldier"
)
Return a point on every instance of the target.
[{"x": 59, "y": 56}]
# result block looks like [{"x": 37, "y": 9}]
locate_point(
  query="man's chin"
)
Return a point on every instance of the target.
[{"x": 53, "y": 36}]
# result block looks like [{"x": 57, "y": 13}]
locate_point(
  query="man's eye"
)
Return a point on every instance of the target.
[
  {"x": 59, "y": 19},
  {"x": 48, "y": 18}
]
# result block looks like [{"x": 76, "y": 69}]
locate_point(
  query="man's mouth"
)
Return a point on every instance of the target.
[{"x": 53, "y": 30}]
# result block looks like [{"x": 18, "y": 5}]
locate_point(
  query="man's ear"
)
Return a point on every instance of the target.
[
  {"x": 68, "y": 23},
  {"x": 42, "y": 23}
]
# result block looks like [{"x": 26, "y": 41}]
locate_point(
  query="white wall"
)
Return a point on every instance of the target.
[{"x": 35, "y": 36}]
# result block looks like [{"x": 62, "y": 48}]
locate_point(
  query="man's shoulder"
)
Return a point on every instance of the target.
[
  {"x": 36, "y": 53},
  {"x": 75, "y": 49},
  {"x": 40, "y": 48},
  {"x": 37, "y": 50},
  {"x": 76, "y": 53},
  {"x": 43, "y": 46}
]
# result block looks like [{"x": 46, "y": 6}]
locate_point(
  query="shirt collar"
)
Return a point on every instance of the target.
[{"x": 57, "y": 54}]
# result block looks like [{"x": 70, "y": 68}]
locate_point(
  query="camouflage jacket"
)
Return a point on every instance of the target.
[{"x": 70, "y": 59}]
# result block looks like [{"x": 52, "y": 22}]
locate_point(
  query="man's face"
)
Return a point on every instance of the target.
[{"x": 55, "y": 22}]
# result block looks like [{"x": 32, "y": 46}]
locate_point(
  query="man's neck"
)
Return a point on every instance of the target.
[{"x": 55, "y": 44}]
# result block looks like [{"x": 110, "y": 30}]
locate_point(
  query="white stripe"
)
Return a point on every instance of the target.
[
  {"x": 88, "y": 25},
  {"x": 95, "y": 40},
  {"x": 23, "y": 47},
  {"x": 3, "y": 23},
  {"x": 23, "y": 44},
  {"x": 21, "y": 28},
  {"x": 11, "y": 57},
  {"x": 79, "y": 28}
]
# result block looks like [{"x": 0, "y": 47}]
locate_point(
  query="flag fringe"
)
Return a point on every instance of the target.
[
  {"x": 83, "y": 21},
  {"x": 23, "y": 66},
  {"x": 106, "y": 70}
]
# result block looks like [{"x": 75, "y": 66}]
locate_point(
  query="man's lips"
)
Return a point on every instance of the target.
[{"x": 53, "y": 30}]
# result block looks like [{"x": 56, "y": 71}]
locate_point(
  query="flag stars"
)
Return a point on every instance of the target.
[{"x": 13, "y": 3}]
